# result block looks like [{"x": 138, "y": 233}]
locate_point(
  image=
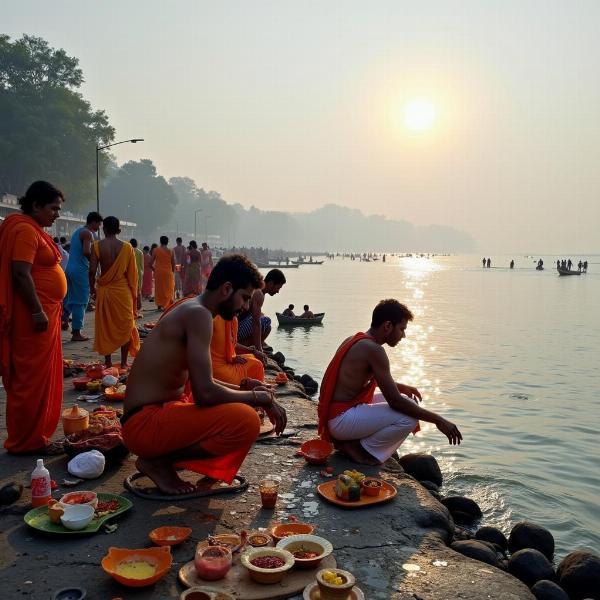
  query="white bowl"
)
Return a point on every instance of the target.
[
  {"x": 261, "y": 575},
  {"x": 77, "y": 516}
]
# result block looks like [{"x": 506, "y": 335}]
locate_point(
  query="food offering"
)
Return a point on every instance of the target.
[
  {"x": 75, "y": 420},
  {"x": 316, "y": 452},
  {"x": 170, "y": 536},
  {"x": 371, "y": 486},
  {"x": 281, "y": 378},
  {"x": 137, "y": 568},
  {"x": 267, "y": 565},
  {"x": 204, "y": 593},
  {"x": 95, "y": 371},
  {"x": 80, "y": 383},
  {"x": 346, "y": 488},
  {"x": 212, "y": 562},
  {"x": 308, "y": 550},
  {"x": 115, "y": 392},
  {"x": 283, "y": 530},
  {"x": 259, "y": 539},
  {"x": 231, "y": 541},
  {"x": 94, "y": 386},
  {"x": 335, "y": 584},
  {"x": 352, "y": 489},
  {"x": 269, "y": 489},
  {"x": 103, "y": 506}
]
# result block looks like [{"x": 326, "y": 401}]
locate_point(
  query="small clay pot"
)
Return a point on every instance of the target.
[
  {"x": 55, "y": 510},
  {"x": 336, "y": 592}
]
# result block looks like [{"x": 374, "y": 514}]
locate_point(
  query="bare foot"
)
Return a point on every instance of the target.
[
  {"x": 205, "y": 483},
  {"x": 355, "y": 452},
  {"x": 164, "y": 476},
  {"x": 78, "y": 337}
]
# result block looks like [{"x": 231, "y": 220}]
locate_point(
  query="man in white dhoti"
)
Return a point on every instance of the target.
[{"x": 366, "y": 426}]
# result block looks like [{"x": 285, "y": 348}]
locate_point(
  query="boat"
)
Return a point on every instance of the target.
[
  {"x": 562, "y": 271},
  {"x": 538, "y": 268},
  {"x": 308, "y": 262},
  {"x": 285, "y": 320},
  {"x": 262, "y": 265}
]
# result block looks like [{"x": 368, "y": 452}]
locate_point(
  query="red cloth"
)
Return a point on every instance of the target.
[
  {"x": 30, "y": 361},
  {"x": 328, "y": 409}
]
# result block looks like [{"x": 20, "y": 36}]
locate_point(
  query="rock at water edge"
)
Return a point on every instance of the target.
[
  {"x": 423, "y": 467},
  {"x": 579, "y": 574},
  {"x": 548, "y": 590},
  {"x": 529, "y": 535},
  {"x": 476, "y": 550},
  {"x": 530, "y": 566},
  {"x": 492, "y": 534}
]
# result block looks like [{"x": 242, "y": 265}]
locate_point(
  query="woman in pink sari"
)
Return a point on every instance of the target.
[{"x": 148, "y": 275}]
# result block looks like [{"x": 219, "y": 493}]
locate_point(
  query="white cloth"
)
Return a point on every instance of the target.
[
  {"x": 64, "y": 257},
  {"x": 380, "y": 429},
  {"x": 87, "y": 465}
]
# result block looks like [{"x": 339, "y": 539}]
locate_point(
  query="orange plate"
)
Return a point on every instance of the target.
[
  {"x": 160, "y": 535},
  {"x": 159, "y": 557},
  {"x": 327, "y": 491},
  {"x": 110, "y": 395}
]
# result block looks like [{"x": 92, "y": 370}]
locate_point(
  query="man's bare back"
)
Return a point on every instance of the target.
[
  {"x": 160, "y": 371},
  {"x": 355, "y": 370}
]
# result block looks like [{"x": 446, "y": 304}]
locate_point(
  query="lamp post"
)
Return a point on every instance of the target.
[
  {"x": 195, "y": 226},
  {"x": 206, "y": 217},
  {"x": 98, "y": 148}
]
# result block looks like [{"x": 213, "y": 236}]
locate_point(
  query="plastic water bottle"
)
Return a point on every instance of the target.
[{"x": 40, "y": 485}]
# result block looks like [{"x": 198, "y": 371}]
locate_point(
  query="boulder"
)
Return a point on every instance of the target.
[
  {"x": 530, "y": 566},
  {"x": 476, "y": 550},
  {"x": 432, "y": 487},
  {"x": 548, "y": 590},
  {"x": 423, "y": 467},
  {"x": 310, "y": 385},
  {"x": 494, "y": 535},
  {"x": 464, "y": 511},
  {"x": 436, "y": 495},
  {"x": 279, "y": 358},
  {"x": 462, "y": 534},
  {"x": 579, "y": 574},
  {"x": 530, "y": 535}
]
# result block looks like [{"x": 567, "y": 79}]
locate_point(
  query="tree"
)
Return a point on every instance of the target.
[
  {"x": 136, "y": 193},
  {"x": 47, "y": 129}
]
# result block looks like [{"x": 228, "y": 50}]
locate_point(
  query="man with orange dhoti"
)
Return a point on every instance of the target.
[
  {"x": 178, "y": 416},
  {"x": 227, "y": 364},
  {"x": 32, "y": 288},
  {"x": 366, "y": 426},
  {"x": 164, "y": 274},
  {"x": 116, "y": 295}
]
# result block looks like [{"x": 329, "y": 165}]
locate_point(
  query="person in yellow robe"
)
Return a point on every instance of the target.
[
  {"x": 116, "y": 295},
  {"x": 164, "y": 274},
  {"x": 228, "y": 366}
]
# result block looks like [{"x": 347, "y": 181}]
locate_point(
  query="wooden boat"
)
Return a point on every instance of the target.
[
  {"x": 308, "y": 262},
  {"x": 262, "y": 265},
  {"x": 285, "y": 320},
  {"x": 562, "y": 271}
]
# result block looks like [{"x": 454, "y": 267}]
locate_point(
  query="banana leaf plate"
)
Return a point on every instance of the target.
[{"x": 38, "y": 518}]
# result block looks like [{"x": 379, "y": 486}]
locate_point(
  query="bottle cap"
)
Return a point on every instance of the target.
[{"x": 40, "y": 462}]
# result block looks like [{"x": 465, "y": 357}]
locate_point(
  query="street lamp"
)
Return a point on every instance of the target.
[
  {"x": 195, "y": 227},
  {"x": 98, "y": 148},
  {"x": 206, "y": 217}
]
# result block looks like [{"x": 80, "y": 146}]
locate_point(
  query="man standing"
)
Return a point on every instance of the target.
[
  {"x": 139, "y": 263},
  {"x": 64, "y": 255},
  {"x": 164, "y": 269},
  {"x": 116, "y": 294},
  {"x": 78, "y": 288},
  {"x": 254, "y": 327},
  {"x": 206, "y": 264},
  {"x": 370, "y": 427},
  {"x": 210, "y": 430},
  {"x": 179, "y": 254}
]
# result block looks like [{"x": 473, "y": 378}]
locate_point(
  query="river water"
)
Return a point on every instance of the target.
[{"x": 511, "y": 356}]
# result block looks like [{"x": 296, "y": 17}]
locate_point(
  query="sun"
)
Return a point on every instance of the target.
[{"x": 419, "y": 114}]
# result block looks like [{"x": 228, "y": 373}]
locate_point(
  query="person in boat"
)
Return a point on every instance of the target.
[
  {"x": 585, "y": 266},
  {"x": 307, "y": 314},
  {"x": 366, "y": 426},
  {"x": 579, "y": 266},
  {"x": 289, "y": 311},
  {"x": 489, "y": 263},
  {"x": 176, "y": 415},
  {"x": 558, "y": 264},
  {"x": 254, "y": 327},
  {"x": 512, "y": 264},
  {"x": 569, "y": 264},
  {"x": 483, "y": 262}
]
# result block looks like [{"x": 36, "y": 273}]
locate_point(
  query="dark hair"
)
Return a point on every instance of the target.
[
  {"x": 237, "y": 270},
  {"x": 164, "y": 240},
  {"x": 306, "y": 307},
  {"x": 291, "y": 307},
  {"x": 94, "y": 217},
  {"x": 111, "y": 225},
  {"x": 63, "y": 239},
  {"x": 179, "y": 240},
  {"x": 390, "y": 310},
  {"x": 194, "y": 245},
  {"x": 153, "y": 246},
  {"x": 147, "y": 248},
  {"x": 276, "y": 276},
  {"x": 40, "y": 193},
  {"x": 133, "y": 242},
  {"x": 56, "y": 240}
]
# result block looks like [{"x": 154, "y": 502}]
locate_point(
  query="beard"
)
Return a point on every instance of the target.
[{"x": 227, "y": 311}]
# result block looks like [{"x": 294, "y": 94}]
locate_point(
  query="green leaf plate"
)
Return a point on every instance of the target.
[{"x": 38, "y": 517}]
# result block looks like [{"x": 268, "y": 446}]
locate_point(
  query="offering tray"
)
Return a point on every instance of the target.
[{"x": 327, "y": 491}]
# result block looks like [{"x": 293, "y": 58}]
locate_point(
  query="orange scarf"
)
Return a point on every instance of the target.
[
  {"x": 7, "y": 243},
  {"x": 328, "y": 409}
]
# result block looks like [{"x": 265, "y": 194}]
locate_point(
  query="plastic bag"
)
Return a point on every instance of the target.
[{"x": 87, "y": 465}]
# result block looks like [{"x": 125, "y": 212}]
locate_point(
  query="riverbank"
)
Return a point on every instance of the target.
[{"x": 373, "y": 543}]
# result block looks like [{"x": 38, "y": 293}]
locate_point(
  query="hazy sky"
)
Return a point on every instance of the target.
[{"x": 291, "y": 105}]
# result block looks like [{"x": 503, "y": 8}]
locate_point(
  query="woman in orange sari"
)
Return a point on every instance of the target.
[
  {"x": 32, "y": 288},
  {"x": 164, "y": 274},
  {"x": 227, "y": 365}
]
